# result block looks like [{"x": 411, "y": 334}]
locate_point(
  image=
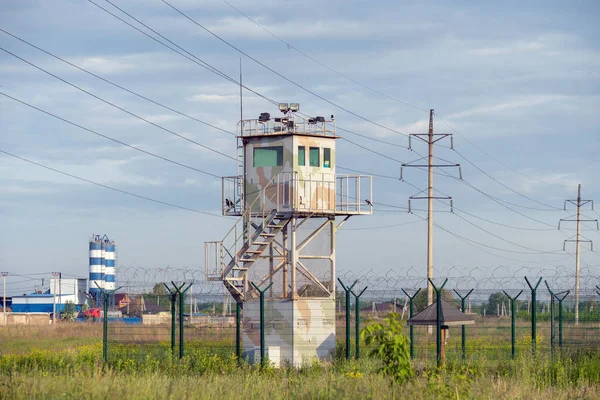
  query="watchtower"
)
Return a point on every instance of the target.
[{"x": 287, "y": 195}]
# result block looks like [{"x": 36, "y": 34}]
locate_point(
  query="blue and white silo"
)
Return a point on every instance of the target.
[
  {"x": 96, "y": 281},
  {"x": 109, "y": 264}
]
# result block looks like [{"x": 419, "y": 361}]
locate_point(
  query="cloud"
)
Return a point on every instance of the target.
[
  {"x": 104, "y": 65},
  {"x": 499, "y": 108},
  {"x": 214, "y": 98}
]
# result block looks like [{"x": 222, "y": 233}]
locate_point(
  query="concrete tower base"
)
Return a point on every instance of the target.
[{"x": 296, "y": 331}]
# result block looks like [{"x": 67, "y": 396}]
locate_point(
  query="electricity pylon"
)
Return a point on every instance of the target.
[
  {"x": 430, "y": 138},
  {"x": 579, "y": 203}
]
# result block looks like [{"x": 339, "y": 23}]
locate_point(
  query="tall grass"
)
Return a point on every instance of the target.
[{"x": 79, "y": 373}]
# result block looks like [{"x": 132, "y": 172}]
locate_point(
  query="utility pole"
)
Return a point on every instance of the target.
[
  {"x": 60, "y": 300},
  {"x": 430, "y": 138},
  {"x": 4, "y": 313},
  {"x": 55, "y": 275},
  {"x": 578, "y": 203}
]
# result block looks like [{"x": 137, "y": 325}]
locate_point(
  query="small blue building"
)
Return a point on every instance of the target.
[{"x": 61, "y": 291}]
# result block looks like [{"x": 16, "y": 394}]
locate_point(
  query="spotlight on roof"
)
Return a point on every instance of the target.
[
  {"x": 294, "y": 107},
  {"x": 283, "y": 107},
  {"x": 320, "y": 119},
  {"x": 264, "y": 117}
]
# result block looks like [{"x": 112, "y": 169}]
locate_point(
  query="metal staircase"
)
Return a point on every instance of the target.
[
  {"x": 230, "y": 259},
  {"x": 235, "y": 274}
]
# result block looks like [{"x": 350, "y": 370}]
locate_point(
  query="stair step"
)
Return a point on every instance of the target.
[
  {"x": 261, "y": 243},
  {"x": 266, "y": 234},
  {"x": 254, "y": 251}
]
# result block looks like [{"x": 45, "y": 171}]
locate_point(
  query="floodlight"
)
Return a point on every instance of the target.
[
  {"x": 320, "y": 119},
  {"x": 283, "y": 107},
  {"x": 294, "y": 107},
  {"x": 264, "y": 117}
]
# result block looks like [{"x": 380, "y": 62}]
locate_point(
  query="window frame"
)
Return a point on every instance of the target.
[
  {"x": 327, "y": 160},
  {"x": 279, "y": 160},
  {"x": 303, "y": 164},
  {"x": 310, "y": 152}
]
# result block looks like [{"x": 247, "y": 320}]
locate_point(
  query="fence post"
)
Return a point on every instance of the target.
[
  {"x": 104, "y": 326},
  {"x": 464, "y": 331},
  {"x": 552, "y": 328},
  {"x": 357, "y": 321},
  {"x": 238, "y": 331},
  {"x": 348, "y": 308},
  {"x": 533, "y": 311},
  {"x": 438, "y": 302},
  {"x": 262, "y": 321},
  {"x": 411, "y": 314},
  {"x": 513, "y": 321},
  {"x": 181, "y": 319},
  {"x": 105, "y": 296},
  {"x": 173, "y": 300},
  {"x": 560, "y": 316}
]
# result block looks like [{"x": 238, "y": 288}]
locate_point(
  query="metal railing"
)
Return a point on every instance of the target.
[
  {"x": 287, "y": 125},
  {"x": 354, "y": 194},
  {"x": 323, "y": 193},
  {"x": 232, "y": 195},
  {"x": 219, "y": 254}
]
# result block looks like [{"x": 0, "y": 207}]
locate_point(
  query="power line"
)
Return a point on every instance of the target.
[
  {"x": 198, "y": 61},
  {"x": 272, "y": 70},
  {"x": 506, "y": 240},
  {"x": 118, "y": 107},
  {"x": 505, "y": 186},
  {"x": 110, "y": 187},
  {"x": 289, "y": 46},
  {"x": 162, "y": 105},
  {"x": 183, "y": 14},
  {"x": 391, "y": 98},
  {"x": 495, "y": 159},
  {"x": 498, "y": 201},
  {"x": 368, "y": 173},
  {"x": 117, "y": 85},
  {"x": 479, "y": 246},
  {"x": 110, "y": 138},
  {"x": 372, "y": 151},
  {"x": 501, "y": 224},
  {"x": 379, "y": 227}
]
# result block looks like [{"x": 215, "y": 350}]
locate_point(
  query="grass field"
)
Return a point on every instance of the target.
[{"x": 65, "y": 363}]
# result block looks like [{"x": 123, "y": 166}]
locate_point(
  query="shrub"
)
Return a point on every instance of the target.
[{"x": 391, "y": 346}]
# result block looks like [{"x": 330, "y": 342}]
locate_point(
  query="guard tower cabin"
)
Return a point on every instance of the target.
[{"x": 288, "y": 196}]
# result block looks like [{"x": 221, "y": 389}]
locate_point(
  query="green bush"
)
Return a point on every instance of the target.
[{"x": 391, "y": 346}]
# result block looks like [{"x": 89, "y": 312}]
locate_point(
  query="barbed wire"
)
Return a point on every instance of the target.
[{"x": 388, "y": 284}]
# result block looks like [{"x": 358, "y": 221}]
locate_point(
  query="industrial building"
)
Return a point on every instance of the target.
[
  {"x": 60, "y": 292},
  {"x": 102, "y": 265}
]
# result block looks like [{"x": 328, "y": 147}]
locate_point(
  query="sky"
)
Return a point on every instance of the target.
[{"x": 516, "y": 84}]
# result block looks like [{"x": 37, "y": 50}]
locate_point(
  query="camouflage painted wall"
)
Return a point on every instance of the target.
[
  {"x": 298, "y": 188},
  {"x": 295, "y": 330}
]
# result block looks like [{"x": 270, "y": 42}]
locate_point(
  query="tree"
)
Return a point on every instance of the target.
[
  {"x": 159, "y": 289},
  {"x": 495, "y": 300},
  {"x": 69, "y": 311}
]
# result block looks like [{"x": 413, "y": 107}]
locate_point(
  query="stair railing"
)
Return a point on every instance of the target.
[{"x": 243, "y": 229}]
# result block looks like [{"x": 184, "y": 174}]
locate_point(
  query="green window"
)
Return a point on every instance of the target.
[
  {"x": 326, "y": 157},
  {"x": 268, "y": 156},
  {"x": 314, "y": 160},
  {"x": 301, "y": 156}
]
